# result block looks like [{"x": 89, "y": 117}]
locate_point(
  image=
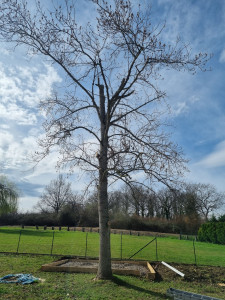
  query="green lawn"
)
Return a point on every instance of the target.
[
  {"x": 65, "y": 286},
  {"x": 82, "y": 286},
  {"x": 87, "y": 244}
]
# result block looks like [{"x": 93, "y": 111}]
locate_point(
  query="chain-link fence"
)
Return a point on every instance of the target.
[
  {"x": 83, "y": 243},
  {"x": 124, "y": 245}
]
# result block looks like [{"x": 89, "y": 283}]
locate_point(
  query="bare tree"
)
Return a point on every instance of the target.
[
  {"x": 138, "y": 199},
  {"x": 165, "y": 199},
  {"x": 107, "y": 121},
  {"x": 208, "y": 199},
  {"x": 71, "y": 212},
  {"x": 120, "y": 201},
  {"x": 56, "y": 195}
]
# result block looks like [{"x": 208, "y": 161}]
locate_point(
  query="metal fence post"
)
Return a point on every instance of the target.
[
  {"x": 194, "y": 253},
  {"x": 19, "y": 242},
  {"x": 86, "y": 245},
  {"x": 156, "y": 249},
  {"x": 121, "y": 245}
]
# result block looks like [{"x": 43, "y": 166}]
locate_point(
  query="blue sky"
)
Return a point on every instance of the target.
[{"x": 197, "y": 101}]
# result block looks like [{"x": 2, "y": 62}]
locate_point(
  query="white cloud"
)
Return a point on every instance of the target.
[
  {"x": 5, "y": 138},
  {"x": 21, "y": 89},
  {"x": 4, "y": 51},
  {"x": 27, "y": 203},
  {"x": 201, "y": 174},
  {"x": 180, "y": 107},
  {"x": 13, "y": 112},
  {"x": 4, "y": 126},
  {"x": 216, "y": 158},
  {"x": 222, "y": 57}
]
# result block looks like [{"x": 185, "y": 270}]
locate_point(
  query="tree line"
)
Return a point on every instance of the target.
[{"x": 180, "y": 210}]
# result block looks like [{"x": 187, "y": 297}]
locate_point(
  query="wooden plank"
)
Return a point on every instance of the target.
[
  {"x": 152, "y": 274},
  {"x": 59, "y": 266},
  {"x": 151, "y": 269}
]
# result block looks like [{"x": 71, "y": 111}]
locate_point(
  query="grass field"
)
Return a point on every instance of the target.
[
  {"x": 65, "y": 286},
  {"x": 87, "y": 244},
  {"x": 82, "y": 286}
]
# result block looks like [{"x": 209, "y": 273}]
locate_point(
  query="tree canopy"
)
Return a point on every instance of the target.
[
  {"x": 9, "y": 194},
  {"x": 107, "y": 122},
  {"x": 56, "y": 194}
]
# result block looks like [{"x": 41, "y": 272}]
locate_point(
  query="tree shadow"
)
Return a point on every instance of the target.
[
  {"x": 123, "y": 283},
  {"x": 29, "y": 232}
]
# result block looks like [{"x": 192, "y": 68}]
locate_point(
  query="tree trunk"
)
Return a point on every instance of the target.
[{"x": 104, "y": 269}]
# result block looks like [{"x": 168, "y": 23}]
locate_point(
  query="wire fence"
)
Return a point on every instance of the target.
[{"x": 125, "y": 245}]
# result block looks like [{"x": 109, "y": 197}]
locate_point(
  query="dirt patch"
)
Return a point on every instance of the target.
[
  {"x": 118, "y": 266},
  {"x": 193, "y": 273}
]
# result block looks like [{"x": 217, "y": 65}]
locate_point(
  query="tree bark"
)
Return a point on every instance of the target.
[{"x": 104, "y": 269}]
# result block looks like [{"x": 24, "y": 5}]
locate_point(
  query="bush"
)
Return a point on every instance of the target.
[
  {"x": 10, "y": 219},
  {"x": 213, "y": 232},
  {"x": 41, "y": 219},
  {"x": 221, "y": 218},
  {"x": 89, "y": 216},
  {"x": 123, "y": 221},
  {"x": 69, "y": 217},
  {"x": 120, "y": 221}
]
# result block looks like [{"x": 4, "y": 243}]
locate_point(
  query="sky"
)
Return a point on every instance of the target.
[{"x": 197, "y": 101}]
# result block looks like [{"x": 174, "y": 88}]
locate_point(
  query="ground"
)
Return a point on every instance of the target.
[
  {"x": 71, "y": 286},
  {"x": 193, "y": 273}
]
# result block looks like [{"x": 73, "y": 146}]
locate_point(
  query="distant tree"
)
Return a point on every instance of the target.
[
  {"x": 151, "y": 204},
  {"x": 208, "y": 199},
  {"x": 89, "y": 216},
  {"x": 55, "y": 195},
  {"x": 70, "y": 213},
  {"x": 140, "y": 198},
  {"x": 107, "y": 122},
  {"x": 115, "y": 202},
  {"x": 165, "y": 202},
  {"x": 9, "y": 194},
  {"x": 189, "y": 198}
]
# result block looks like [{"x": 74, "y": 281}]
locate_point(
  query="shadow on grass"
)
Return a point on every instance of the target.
[
  {"x": 123, "y": 283},
  {"x": 26, "y": 232}
]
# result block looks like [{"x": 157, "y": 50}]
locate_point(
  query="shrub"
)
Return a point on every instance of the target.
[
  {"x": 213, "y": 232},
  {"x": 221, "y": 218},
  {"x": 10, "y": 219},
  {"x": 41, "y": 219},
  {"x": 68, "y": 217}
]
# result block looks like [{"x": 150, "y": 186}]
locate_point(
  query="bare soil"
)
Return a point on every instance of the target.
[
  {"x": 121, "y": 266},
  {"x": 193, "y": 273}
]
